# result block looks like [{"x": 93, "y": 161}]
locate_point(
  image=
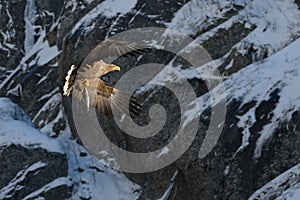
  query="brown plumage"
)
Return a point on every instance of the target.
[{"x": 86, "y": 86}]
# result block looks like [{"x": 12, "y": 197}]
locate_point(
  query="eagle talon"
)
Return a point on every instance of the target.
[{"x": 86, "y": 83}]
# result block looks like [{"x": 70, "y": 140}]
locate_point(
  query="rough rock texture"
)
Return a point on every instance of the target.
[
  {"x": 36, "y": 166},
  {"x": 30, "y": 165},
  {"x": 236, "y": 34},
  {"x": 16, "y": 158}
]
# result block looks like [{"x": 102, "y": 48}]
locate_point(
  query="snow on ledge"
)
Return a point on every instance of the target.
[
  {"x": 16, "y": 128},
  {"x": 284, "y": 186},
  {"x": 108, "y": 8}
]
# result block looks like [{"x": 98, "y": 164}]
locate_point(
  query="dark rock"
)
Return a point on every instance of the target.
[
  {"x": 222, "y": 174},
  {"x": 15, "y": 159}
]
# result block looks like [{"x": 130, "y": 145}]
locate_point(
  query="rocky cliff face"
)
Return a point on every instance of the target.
[
  {"x": 254, "y": 45},
  {"x": 35, "y": 166}
]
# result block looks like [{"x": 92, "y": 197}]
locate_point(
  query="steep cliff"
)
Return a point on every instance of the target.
[{"x": 254, "y": 45}]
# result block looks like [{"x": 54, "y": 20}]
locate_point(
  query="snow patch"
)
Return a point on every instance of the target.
[
  {"x": 257, "y": 82},
  {"x": 43, "y": 54},
  {"x": 16, "y": 183},
  {"x": 284, "y": 186},
  {"x": 96, "y": 180},
  {"x": 169, "y": 189},
  {"x": 108, "y": 9},
  {"x": 89, "y": 177},
  {"x": 15, "y": 129},
  {"x": 276, "y": 23},
  {"x": 61, "y": 181},
  {"x": 206, "y": 13},
  {"x": 29, "y": 18},
  {"x": 165, "y": 150}
]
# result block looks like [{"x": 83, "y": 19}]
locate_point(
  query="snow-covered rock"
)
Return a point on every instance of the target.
[
  {"x": 33, "y": 165},
  {"x": 284, "y": 186},
  {"x": 29, "y": 159},
  {"x": 254, "y": 45}
]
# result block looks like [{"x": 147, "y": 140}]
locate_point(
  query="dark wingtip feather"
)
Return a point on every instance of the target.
[{"x": 140, "y": 50}]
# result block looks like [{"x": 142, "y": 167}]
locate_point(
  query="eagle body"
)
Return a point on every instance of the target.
[{"x": 85, "y": 85}]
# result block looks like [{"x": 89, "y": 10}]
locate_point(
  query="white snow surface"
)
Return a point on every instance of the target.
[
  {"x": 21, "y": 176},
  {"x": 95, "y": 181},
  {"x": 16, "y": 128},
  {"x": 276, "y": 26},
  {"x": 256, "y": 82},
  {"x": 29, "y": 18},
  {"x": 276, "y": 23},
  {"x": 207, "y": 12},
  {"x": 107, "y": 9},
  {"x": 6, "y": 43},
  {"x": 277, "y": 188},
  {"x": 292, "y": 193},
  {"x": 43, "y": 55},
  {"x": 55, "y": 183}
]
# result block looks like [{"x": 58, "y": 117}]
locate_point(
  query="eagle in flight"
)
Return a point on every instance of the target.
[{"x": 85, "y": 85}]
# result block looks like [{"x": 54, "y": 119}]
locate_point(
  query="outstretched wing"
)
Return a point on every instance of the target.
[
  {"x": 88, "y": 87},
  {"x": 106, "y": 96},
  {"x": 114, "y": 48},
  {"x": 101, "y": 96},
  {"x": 118, "y": 48}
]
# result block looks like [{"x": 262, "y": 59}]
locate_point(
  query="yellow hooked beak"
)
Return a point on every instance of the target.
[
  {"x": 117, "y": 68},
  {"x": 111, "y": 68}
]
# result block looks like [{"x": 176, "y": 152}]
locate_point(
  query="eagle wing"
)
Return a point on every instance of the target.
[
  {"x": 88, "y": 85},
  {"x": 103, "y": 97},
  {"x": 118, "y": 48},
  {"x": 115, "y": 48}
]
